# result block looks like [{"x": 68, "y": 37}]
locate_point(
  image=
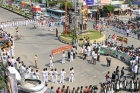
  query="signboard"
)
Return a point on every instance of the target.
[
  {"x": 122, "y": 39},
  {"x": 61, "y": 49},
  {"x": 105, "y": 2},
  {"x": 89, "y": 2},
  {"x": 135, "y": 1},
  {"x": 104, "y": 51}
]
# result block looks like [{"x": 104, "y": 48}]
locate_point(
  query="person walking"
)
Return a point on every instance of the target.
[
  {"x": 63, "y": 57},
  {"x": 122, "y": 73},
  {"x": 62, "y": 73},
  {"x": 117, "y": 72},
  {"x": 108, "y": 59},
  {"x": 107, "y": 77},
  {"x": 36, "y": 61},
  {"x": 51, "y": 61}
]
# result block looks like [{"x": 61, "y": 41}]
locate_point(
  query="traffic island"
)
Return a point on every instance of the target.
[{"x": 92, "y": 35}]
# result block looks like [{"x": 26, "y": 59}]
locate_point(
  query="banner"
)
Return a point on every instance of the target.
[
  {"x": 136, "y": 2},
  {"x": 104, "y": 51},
  {"x": 122, "y": 39},
  {"x": 61, "y": 49},
  {"x": 89, "y": 2}
]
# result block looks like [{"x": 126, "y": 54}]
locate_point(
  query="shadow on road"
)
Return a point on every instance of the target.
[{"x": 49, "y": 34}]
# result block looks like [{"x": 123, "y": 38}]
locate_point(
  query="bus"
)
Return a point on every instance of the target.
[{"x": 55, "y": 13}]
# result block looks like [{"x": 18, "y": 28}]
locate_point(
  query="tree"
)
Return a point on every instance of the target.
[
  {"x": 128, "y": 2},
  {"x": 2, "y": 83},
  {"x": 62, "y": 5},
  {"x": 108, "y": 8}
]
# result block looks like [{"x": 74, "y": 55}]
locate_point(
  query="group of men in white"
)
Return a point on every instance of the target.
[{"x": 17, "y": 23}]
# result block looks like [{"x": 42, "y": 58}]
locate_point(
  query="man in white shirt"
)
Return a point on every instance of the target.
[
  {"x": 46, "y": 74},
  {"x": 71, "y": 75},
  {"x": 135, "y": 70},
  {"x": 55, "y": 73},
  {"x": 62, "y": 73},
  {"x": 127, "y": 32},
  {"x": 85, "y": 54},
  {"x": 13, "y": 62},
  {"x": 51, "y": 75}
]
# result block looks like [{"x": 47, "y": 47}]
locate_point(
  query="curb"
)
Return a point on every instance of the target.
[
  {"x": 15, "y": 12},
  {"x": 69, "y": 41}
]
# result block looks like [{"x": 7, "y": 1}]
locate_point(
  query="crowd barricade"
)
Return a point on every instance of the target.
[
  {"x": 120, "y": 55},
  {"x": 133, "y": 35}
]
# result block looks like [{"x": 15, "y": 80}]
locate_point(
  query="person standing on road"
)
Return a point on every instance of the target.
[
  {"x": 51, "y": 61},
  {"x": 85, "y": 54},
  {"x": 74, "y": 52},
  {"x": 122, "y": 73},
  {"x": 107, "y": 77},
  {"x": 71, "y": 56},
  {"x": 127, "y": 32},
  {"x": 44, "y": 75},
  {"x": 37, "y": 74},
  {"x": 108, "y": 59},
  {"x": 55, "y": 73},
  {"x": 95, "y": 58},
  {"x": 36, "y": 61},
  {"x": 62, "y": 76},
  {"x": 71, "y": 75},
  {"x": 117, "y": 72},
  {"x": 63, "y": 57},
  {"x": 51, "y": 75}
]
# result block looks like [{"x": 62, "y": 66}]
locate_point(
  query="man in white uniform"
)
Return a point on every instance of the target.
[
  {"x": 71, "y": 56},
  {"x": 51, "y": 75},
  {"x": 51, "y": 61},
  {"x": 62, "y": 76},
  {"x": 71, "y": 75},
  {"x": 55, "y": 76},
  {"x": 63, "y": 57},
  {"x": 46, "y": 75}
]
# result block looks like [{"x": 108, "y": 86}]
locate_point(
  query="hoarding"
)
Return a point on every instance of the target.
[
  {"x": 105, "y": 2},
  {"x": 89, "y": 2},
  {"x": 135, "y": 1}
]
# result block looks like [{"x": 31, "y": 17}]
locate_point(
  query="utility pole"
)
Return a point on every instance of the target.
[{"x": 66, "y": 18}]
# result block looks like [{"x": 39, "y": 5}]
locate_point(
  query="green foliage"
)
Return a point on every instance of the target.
[
  {"x": 2, "y": 83},
  {"x": 128, "y": 2},
  {"x": 108, "y": 8},
  {"x": 62, "y": 5},
  {"x": 39, "y": 1},
  {"x": 52, "y": 3}
]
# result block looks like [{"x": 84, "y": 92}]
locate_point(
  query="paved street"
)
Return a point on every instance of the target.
[{"x": 41, "y": 42}]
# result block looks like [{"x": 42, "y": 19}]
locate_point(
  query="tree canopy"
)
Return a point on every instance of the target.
[
  {"x": 108, "y": 8},
  {"x": 2, "y": 83},
  {"x": 62, "y": 5}
]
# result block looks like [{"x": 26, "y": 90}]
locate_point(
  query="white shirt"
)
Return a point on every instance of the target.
[
  {"x": 62, "y": 73},
  {"x": 63, "y": 55},
  {"x": 88, "y": 48},
  {"x": 71, "y": 72},
  {"x": 51, "y": 59},
  {"x": 95, "y": 56},
  {"x": 51, "y": 73},
  {"x": 47, "y": 73},
  {"x": 93, "y": 52},
  {"x": 13, "y": 61},
  {"x": 43, "y": 73},
  {"x": 135, "y": 68},
  {"x": 55, "y": 73}
]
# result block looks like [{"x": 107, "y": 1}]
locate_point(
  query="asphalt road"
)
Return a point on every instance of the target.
[{"x": 41, "y": 42}]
